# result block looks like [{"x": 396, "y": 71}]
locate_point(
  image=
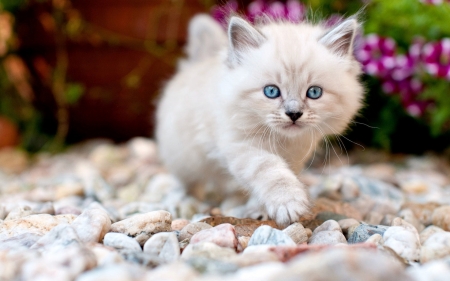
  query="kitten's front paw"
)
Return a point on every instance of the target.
[{"x": 287, "y": 205}]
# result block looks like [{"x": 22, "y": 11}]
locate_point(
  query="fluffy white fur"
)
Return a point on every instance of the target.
[{"x": 216, "y": 127}]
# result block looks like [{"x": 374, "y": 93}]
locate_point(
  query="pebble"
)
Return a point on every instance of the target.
[
  {"x": 176, "y": 271},
  {"x": 141, "y": 258},
  {"x": 92, "y": 224},
  {"x": 189, "y": 230},
  {"x": 408, "y": 215},
  {"x": 437, "y": 246},
  {"x": 60, "y": 237},
  {"x": 266, "y": 235},
  {"x": 427, "y": 232},
  {"x": 208, "y": 266},
  {"x": 105, "y": 254},
  {"x": 437, "y": 270},
  {"x": 441, "y": 217},
  {"x": 328, "y": 233},
  {"x": 19, "y": 212},
  {"x": 404, "y": 239},
  {"x": 121, "y": 241},
  {"x": 163, "y": 245},
  {"x": 178, "y": 224},
  {"x": 345, "y": 224},
  {"x": 243, "y": 243},
  {"x": 142, "y": 226},
  {"x": 373, "y": 218},
  {"x": 327, "y": 238},
  {"x": 208, "y": 250},
  {"x": 19, "y": 242},
  {"x": 342, "y": 264},
  {"x": 114, "y": 272},
  {"x": 36, "y": 224},
  {"x": 66, "y": 264},
  {"x": 423, "y": 212},
  {"x": 223, "y": 235},
  {"x": 360, "y": 233},
  {"x": 297, "y": 233}
]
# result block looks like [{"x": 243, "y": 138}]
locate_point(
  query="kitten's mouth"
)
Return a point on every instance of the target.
[{"x": 292, "y": 126}]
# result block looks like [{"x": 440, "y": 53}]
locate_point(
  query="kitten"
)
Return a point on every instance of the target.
[{"x": 248, "y": 107}]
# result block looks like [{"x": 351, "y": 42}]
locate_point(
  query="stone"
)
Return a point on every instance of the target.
[
  {"x": 207, "y": 250},
  {"x": 327, "y": 238},
  {"x": 142, "y": 226},
  {"x": 265, "y": 271},
  {"x": 376, "y": 239},
  {"x": 105, "y": 255},
  {"x": 163, "y": 245},
  {"x": 65, "y": 265},
  {"x": 362, "y": 232},
  {"x": 19, "y": 212},
  {"x": 373, "y": 218},
  {"x": 176, "y": 271},
  {"x": 3, "y": 212},
  {"x": 404, "y": 239},
  {"x": 68, "y": 210},
  {"x": 441, "y": 217},
  {"x": 427, "y": 232},
  {"x": 254, "y": 255},
  {"x": 120, "y": 241},
  {"x": 242, "y": 243},
  {"x": 342, "y": 264},
  {"x": 37, "y": 224},
  {"x": 297, "y": 233},
  {"x": 141, "y": 258},
  {"x": 408, "y": 215},
  {"x": 211, "y": 266},
  {"x": 423, "y": 212},
  {"x": 223, "y": 235},
  {"x": 329, "y": 225},
  {"x": 437, "y": 270},
  {"x": 387, "y": 220},
  {"x": 68, "y": 189},
  {"x": 11, "y": 263},
  {"x": 189, "y": 230},
  {"x": 113, "y": 272},
  {"x": 333, "y": 208},
  {"x": 19, "y": 242},
  {"x": 92, "y": 224},
  {"x": 437, "y": 246},
  {"x": 345, "y": 224},
  {"x": 178, "y": 224},
  {"x": 60, "y": 237},
  {"x": 266, "y": 235}
]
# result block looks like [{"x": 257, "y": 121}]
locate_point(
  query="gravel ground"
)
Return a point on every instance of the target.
[{"x": 111, "y": 212}]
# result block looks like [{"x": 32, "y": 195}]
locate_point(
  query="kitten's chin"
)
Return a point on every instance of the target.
[{"x": 292, "y": 129}]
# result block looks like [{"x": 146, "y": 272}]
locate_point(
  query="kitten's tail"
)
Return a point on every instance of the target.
[{"x": 205, "y": 39}]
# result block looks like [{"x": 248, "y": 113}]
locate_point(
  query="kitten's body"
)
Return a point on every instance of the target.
[{"x": 216, "y": 126}]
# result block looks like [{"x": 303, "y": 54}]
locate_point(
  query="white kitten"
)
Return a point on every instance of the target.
[{"x": 248, "y": 111}]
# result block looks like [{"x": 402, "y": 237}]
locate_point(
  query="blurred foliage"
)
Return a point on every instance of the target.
[{"x": 16, "y": 99}]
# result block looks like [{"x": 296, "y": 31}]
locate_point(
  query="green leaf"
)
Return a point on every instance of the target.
[{"x": 73, "y": 93}]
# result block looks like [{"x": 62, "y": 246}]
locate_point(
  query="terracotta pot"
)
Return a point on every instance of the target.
[
  {"x": 127, "y": 50},
  {"x": 9, "y": 135}
]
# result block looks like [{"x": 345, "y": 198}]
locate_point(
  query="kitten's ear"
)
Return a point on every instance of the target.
[
  {"x": 242, "y": 36},
  {"x": 340, "y": 39}
]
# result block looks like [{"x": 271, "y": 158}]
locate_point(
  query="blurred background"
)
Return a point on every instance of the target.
[{"x": 77, "y": 70}]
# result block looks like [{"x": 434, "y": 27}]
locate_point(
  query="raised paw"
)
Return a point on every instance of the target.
[{"x": 287, "y": 206}]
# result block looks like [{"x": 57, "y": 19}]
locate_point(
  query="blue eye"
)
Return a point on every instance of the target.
[
  {"x": 272, "y": 92},
  {"x": 314, "y": 92}
]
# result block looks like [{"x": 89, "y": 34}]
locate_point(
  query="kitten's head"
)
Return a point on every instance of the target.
[{"x": 293, "y": 78}]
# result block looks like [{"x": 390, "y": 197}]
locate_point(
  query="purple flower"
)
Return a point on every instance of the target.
[
  {"x": 436, "y": 58},
  {"x": 377, "y": 55},
  {"x": 295, "y": 11},
  {"x": 255, "y": 9},
  {"x": 221, "y": 13}
]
